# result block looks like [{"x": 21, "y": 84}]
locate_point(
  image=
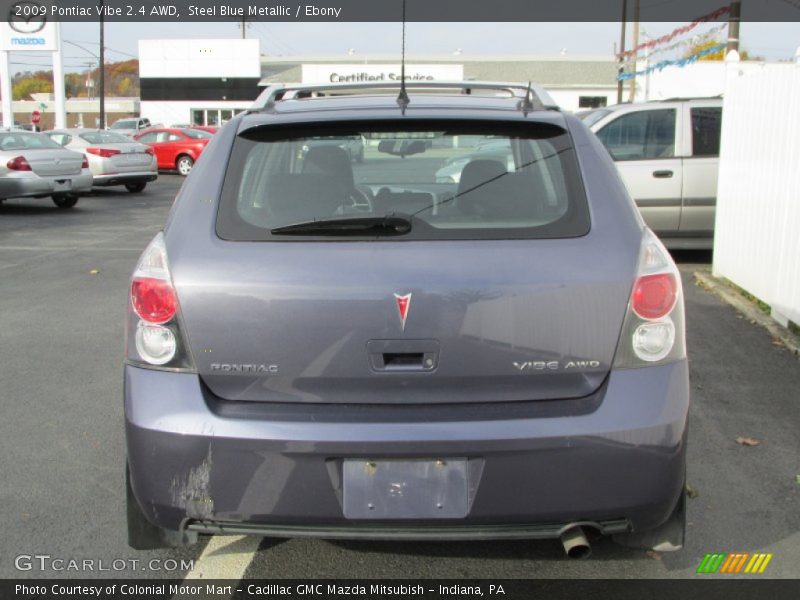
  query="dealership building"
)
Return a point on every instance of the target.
[{"x": 206, "y": 82}]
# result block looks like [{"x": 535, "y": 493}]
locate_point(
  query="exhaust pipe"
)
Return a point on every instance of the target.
[{"x": 575, "y": 543}]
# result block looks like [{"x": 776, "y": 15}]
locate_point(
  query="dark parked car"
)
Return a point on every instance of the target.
[{"x": 316, "y": 348}]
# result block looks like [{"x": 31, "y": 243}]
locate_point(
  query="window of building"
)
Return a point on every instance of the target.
[
  {"x": 592, "y": 101},
  {"x": 214, "y": 117}
]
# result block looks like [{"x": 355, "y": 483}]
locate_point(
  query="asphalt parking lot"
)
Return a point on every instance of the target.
[{"x": 63, "y": 286}]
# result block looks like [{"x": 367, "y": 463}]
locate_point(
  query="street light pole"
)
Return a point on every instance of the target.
[
  {"x": 621, "y": 68},
  {"x": 102, "y": 83},
  {"x": 632, "y": 96},
  {"x": 733, "y": 26}
]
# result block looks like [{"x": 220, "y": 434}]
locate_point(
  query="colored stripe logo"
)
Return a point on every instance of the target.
[{"x": 734, "y": 563}]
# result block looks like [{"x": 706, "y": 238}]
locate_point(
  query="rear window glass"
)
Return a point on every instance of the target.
[
  {"x": 105, "y": 137},
  {"x": 451, "y": 180},
  {"x": 26, "y": 141},
  {"x": 197, "y": 134},
  {"x": 125, "y": 124}
]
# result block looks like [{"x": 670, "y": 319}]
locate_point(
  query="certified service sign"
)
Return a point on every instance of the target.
[{"x": 26, "y": 28}]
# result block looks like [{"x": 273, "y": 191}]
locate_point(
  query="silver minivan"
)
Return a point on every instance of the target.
[{"x": 668, "y": 156}]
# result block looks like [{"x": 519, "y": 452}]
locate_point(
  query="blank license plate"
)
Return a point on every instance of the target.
[
  {"x": 62, "y": 185},
  {"x": 132, "y": 159},
  {"x": 405, "y": 489}
]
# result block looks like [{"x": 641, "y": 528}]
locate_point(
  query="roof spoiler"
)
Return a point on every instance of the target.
[{"x": 532, "y": 96}]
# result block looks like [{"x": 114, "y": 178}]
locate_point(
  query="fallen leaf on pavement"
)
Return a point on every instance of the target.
[
  {"x": 747, "y": 441},
  {"x": 778, "y": 343},
  {"x": 691, "y": 492},
  {"x": 797, "y": 478},
  {"x": 94, "y": 271}
]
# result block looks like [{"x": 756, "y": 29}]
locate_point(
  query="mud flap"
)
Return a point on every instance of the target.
[{"x": 668, "y": 537}]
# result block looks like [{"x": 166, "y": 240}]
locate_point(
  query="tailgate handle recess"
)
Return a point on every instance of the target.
[
  {"x": 403, "y": 360},
  {"x": 403, "y": 356}
]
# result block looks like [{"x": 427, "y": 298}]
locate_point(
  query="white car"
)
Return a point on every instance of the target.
[
  {"x": 132, "y": 126},
  {"x": 668, "y": 155},
  {"x": 33, "y": 165},
  {"x": 113, "y": 158}
]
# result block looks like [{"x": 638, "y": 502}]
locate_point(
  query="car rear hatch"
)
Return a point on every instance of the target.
[
  {"x": 54, "y": 162},
  {"x": 484, "y": 299},
  {"x": 131, "y": 158}
]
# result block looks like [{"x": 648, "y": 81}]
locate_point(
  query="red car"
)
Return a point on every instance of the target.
[
  {"x": 208, "y": 128},
  {"x": 175, "y": 148}
]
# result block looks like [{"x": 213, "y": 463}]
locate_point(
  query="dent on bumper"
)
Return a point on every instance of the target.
[{"x": 624, "y": 460}]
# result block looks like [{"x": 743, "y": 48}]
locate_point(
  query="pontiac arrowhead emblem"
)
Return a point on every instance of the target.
[{"x": 403, "y": 304}]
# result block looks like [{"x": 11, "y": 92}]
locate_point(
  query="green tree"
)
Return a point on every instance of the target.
[{"x": 24, "y": 88}]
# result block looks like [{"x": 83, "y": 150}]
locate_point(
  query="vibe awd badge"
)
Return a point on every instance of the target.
[
  {"x": 554, "y": 365},
  {"x": 403, "y": 306}
]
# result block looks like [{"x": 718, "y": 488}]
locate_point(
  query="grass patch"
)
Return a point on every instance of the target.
[{"x": 794, "y": 328}]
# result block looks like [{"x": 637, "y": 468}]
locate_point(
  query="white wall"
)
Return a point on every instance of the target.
[
  {"x": 176, "y": 112},
  {"x": 757, "y": 239},
  {"x": 199, "y": 58},
  {"x": 704, "y": 78}
]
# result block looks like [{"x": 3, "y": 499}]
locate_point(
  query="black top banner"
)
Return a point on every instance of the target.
[{"x": 30, "y": 11}]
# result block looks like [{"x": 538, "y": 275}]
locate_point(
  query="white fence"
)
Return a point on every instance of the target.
[{"x": 757, "y": 239}]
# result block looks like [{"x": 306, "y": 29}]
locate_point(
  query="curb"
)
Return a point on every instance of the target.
[{"x": 749, "y": 310}]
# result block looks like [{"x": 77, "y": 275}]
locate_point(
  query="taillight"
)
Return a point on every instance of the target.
[
  {"x": 85, "y": 163},
  {"x": 653, "y": 329},
  {"x": 154, "y": 331},
  {"x": 654, "y": 296},
  {"x": 153, "y": 300},
  {"x": 104, "y": 152},
  {"x": 19, "y": 163}
]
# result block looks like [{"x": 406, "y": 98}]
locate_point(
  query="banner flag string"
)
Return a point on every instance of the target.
[
  {"x": 681, "y": 62},
  {"x": 712, "y": 16}
]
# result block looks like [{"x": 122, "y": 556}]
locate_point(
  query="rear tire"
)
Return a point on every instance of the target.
[
  {"x": 65, "y": 200},
  {"x": 135, "y": 188},
  {"x": 142, "y": 534},
  {"x": 184, "y": 165}
]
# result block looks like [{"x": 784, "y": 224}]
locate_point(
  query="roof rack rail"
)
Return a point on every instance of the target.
[
  {"x": 687, "y": 98},
  {"x": 532, "y": 96}
]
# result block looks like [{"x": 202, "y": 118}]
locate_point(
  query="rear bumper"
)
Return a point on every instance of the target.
[
  {"x": 28, "y": 184},
  {"x": 617, "y": 466},
  {"x": 123, "y": 178}
]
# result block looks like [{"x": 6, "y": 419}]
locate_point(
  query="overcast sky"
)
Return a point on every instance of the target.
[{"x": 770, "y": 40}]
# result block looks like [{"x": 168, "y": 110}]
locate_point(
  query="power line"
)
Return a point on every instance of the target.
[{"x": 107, "y": 48}]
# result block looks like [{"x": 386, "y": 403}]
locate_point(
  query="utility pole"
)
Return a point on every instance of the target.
[
  {"x": 102, "y": 82},
  {"x": 733, "y": 26},
  {"x": 636, "y": 6},
  {"x": 621, "y": 69}
]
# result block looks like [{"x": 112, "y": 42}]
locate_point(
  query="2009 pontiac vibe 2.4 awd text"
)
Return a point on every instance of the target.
[{"x": 322, "y": 348}]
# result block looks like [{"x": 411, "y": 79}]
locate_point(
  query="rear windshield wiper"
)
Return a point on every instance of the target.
[{"x": 364, "y": 225}]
